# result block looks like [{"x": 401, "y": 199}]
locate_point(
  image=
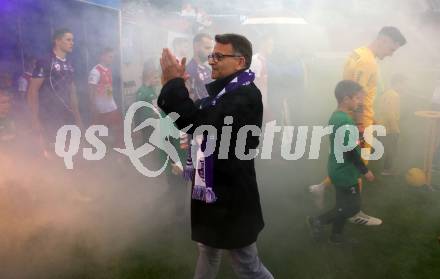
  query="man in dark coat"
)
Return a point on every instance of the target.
[{"x": 225, "y": 206}]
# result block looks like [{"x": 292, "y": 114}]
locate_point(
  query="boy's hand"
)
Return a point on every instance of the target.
[
  {"x": 176, "y": 170},
  {"x": 369, "y": 176}
]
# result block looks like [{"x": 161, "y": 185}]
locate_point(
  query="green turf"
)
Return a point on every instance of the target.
[{"x": 405, "y": 246}]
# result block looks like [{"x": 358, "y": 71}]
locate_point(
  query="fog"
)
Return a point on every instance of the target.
[{"x": 55, "y": 221}]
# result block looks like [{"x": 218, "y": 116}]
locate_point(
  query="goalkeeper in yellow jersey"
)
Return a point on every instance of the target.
[{"x": 362, "y": 67}]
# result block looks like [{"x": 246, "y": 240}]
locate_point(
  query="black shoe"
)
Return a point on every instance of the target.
[
  {"x": 315, "y": 227},
  {"x": 339, "y": 239}
]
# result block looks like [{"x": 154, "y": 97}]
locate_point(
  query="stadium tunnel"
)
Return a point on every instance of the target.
[{"x": 27, "y": 28}]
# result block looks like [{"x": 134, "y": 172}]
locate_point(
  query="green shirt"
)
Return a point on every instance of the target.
[
  {"x": 344, "y": 173},
  {"x": 148, "y": 94}
]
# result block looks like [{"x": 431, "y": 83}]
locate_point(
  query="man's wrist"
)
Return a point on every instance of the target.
[{"x": 175, "y": 83}]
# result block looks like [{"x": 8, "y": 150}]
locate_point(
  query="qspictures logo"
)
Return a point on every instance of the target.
[{"x": 345, "y": 139}]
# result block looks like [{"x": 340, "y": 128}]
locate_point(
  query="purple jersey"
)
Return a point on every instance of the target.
[
  {"x": 54, "y": 96},
  {"x": 57, "y": 85},
  {"x": 199, "y": 76}
]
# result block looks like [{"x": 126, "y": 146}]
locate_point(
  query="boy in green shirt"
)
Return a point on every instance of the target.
[
  {"x": 345, "y": 165},
  {"x": 147, "y": 93}
]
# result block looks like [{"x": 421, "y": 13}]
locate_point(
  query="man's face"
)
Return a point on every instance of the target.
[
  {"x": 387, "y": 47},
  {"x": 203, "y": 48},
  {"x": 65, "y": 43},
  {"x": 355, "y": 100},
  {"x": 107, "y": 58},
  {"x": 227, "y": 65}
]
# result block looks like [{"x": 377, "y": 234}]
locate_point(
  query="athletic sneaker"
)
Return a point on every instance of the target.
[
  {"x": 363, "y": 219},
  {"x": 318, "y": 192},
  {"x": 315, "y": 227}
]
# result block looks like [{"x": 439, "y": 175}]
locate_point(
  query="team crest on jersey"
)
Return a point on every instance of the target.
[{"x": 57, "y": 67}]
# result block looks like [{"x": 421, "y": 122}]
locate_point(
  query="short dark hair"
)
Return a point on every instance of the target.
[
  {"x": 239, "y": 43},
  {"x": 393, "y": 33},
  {"x": 200, "y": 36},
  {"x": 346, "y": 88},
  {"x": 59, "y": 33}
]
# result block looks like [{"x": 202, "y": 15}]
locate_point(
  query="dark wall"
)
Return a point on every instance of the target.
[{"x": 26, "y": 27}]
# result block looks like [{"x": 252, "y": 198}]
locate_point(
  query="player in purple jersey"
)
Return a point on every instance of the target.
[
  {"x": 198, "y": 70},
  {"x": 52, "y": 94}
]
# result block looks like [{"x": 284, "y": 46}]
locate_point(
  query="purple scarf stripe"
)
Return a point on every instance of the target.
[
  {"x": 243, "y": 79},
  {"x": 203, "y": 193},
  {"x": 206, "y": 192}
]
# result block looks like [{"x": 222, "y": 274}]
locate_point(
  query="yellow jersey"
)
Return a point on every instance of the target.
[{"x": 362, "y": 67}]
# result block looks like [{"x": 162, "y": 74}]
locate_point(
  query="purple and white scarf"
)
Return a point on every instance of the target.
[{"x": 203, "y": 189}]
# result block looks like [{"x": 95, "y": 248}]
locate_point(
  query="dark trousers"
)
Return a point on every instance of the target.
[
  {"x": 51, "y": 122},
  {"x": 348, "y": 203},
  {"x": 390, "y": 145}
]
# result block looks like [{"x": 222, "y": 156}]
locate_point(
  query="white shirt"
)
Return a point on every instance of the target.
[{"x": 104, "y": 97}]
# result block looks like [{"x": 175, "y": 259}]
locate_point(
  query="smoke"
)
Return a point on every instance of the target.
[{"x": 54, "y": 221}]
